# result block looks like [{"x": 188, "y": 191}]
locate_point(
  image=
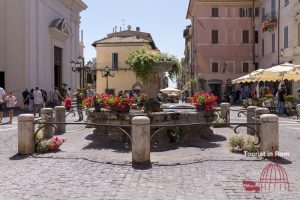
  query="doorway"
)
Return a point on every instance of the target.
[
  {"x": 2, "y": 80},
  {"x": 57, "y": 67},
  {"x": 216, "y": 90}
]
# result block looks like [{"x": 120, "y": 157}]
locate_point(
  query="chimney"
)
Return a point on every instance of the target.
[
  {"x": 138, "y": 29},
  {"x": 116, "y": 30},
  {"x": 120, "y": 28},
  {"x": 129, "y": 27}
]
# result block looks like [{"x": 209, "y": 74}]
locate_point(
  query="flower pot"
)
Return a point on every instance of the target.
[
  {"x": 200, "y": 108},
  {"x": 98, "y": 107}
]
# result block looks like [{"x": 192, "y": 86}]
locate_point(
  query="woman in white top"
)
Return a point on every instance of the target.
[{"x": 11, "y": 102}]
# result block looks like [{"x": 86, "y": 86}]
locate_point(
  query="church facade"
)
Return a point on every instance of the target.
[{"x": 38, "y": 39}]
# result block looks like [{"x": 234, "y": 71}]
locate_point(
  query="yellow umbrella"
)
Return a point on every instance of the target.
[
  {"x": 248, "y": 78},
  {"x": 293, "y": 75},
  {"x": 275, "y": 73}
]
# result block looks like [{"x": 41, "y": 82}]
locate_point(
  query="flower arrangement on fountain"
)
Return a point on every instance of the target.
[
  {"x": 110, "y": 102},
  {"x": 95, "y": 101},
  {"x": 204, "y": 101}
]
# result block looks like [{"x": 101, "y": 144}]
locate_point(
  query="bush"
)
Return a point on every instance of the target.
[
  {"x": 236, "y": 142},
  {"x": 290, "y": 98},
  {"x": 243, "y": 143}
]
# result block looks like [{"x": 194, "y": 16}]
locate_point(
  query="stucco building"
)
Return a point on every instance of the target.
[
  {"x": 221, "y": 43},
  {"x": 279, "y": 41},
  {"x": 113, "y": 51},
  {"x": 38, "y": 39}
]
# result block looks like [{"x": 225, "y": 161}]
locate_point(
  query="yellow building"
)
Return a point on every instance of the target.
[{"x": 112, "y": 52}]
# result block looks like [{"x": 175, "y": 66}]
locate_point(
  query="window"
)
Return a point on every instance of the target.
[
  {"x": 256, "y": 12},
  {"x": 245, "y": 67},
  {"x": 286, "y": 37},
  {"x": 245, "y": 37},
  {"x": 263, "y": 14},
  {"x": 263, "y": 47},
  {"x": 215, "y": 12},
  {"x": 215, "y": 67},
  {"x": 115, "y": 61},
  {"x": 246, "y": 12},
  {"x": 214, "y": 36},
  {"x": 273, "y": 43},
  {"x": 256, "y": 37},
  {"x": 286, "y": 2},
  {"x": 273, "y": 6}
]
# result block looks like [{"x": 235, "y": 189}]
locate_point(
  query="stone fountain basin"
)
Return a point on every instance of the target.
[
  {"x": 190, "y": 134},
  {"x": 162, "y": 67}
]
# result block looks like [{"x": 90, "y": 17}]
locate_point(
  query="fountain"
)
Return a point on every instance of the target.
[{"x": 188, "y": 134}]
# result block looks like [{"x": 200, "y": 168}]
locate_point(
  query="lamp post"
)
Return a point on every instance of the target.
[
  {"x": 79, "y": 66},
  {"x": 106, "y": 72}
]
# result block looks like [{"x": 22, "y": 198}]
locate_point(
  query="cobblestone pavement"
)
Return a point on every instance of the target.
[{"x": 88, "y": 169}]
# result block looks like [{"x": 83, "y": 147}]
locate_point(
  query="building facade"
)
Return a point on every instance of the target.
[
  {"x": 279, "y": 34},
  {"x": 38, "y": 39},
  {"x": 221, "y": 45},
  {"x": 112, "y": 52}
]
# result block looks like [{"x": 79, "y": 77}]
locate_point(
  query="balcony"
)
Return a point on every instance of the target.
[{"x": 270, "y": 22}]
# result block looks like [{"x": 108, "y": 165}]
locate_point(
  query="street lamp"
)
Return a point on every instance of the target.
[
  {"x": 106, "y": 72},
  {"x": 79, "y": 66}
]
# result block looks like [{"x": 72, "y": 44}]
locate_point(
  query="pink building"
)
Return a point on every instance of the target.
[{"x": 222, "y": 43}]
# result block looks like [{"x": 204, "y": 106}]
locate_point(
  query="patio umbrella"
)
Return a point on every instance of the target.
[
  {"x": 251, "y": 77},
  {"x": 275, "y": 73},
  {"x": 293, "y": 74},
  {"x": 170, "y": 90}
]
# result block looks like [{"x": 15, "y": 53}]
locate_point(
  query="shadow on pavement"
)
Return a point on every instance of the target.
[
  {"x": 19, "y": 157},
  {"x": 279, "y": 160}
]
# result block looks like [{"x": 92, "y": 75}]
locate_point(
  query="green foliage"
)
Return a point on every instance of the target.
[
  {"x": 269, "y": 96},
  {"x": 290, "y": 98},
  {"x": 42, "y": 147},
  {"x": 243, "y": 143},
  {"x": 237, "y": 142},
  {"x": 142, "y": 60},
  {"x": 63, "y": 90}
]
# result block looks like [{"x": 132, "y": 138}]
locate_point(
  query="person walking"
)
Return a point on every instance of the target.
[
  {"x": 11, "y": 102},
  {"x": 38, "y": 101},
  {"x": 281, "y": 100},
  {"x": 26, "y": 96},
  {"x": 90, "y": 91},
  {"x": 56, "y": 96},
  {"x": 2, "y": 94},
  {"x": 31, "y": 98},
  {"x": 45, "y": 97},
  {"x": 79, "y": 98}
]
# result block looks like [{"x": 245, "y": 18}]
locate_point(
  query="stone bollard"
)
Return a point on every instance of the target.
[
  {"x": 60, "y": 116},
  {"x": 47, "y": 116},
  {"x": 258, "y": 113},
  {"x": 250, "y": 114},
  {"x": 269, "y": 131},
  {"x": 26, "y": 140},
  {"x": 140, "y": 140},
  {"x": 225, "y": 112}
]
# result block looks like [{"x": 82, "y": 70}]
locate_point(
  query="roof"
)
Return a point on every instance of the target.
[{"x": 127, "y": 36}]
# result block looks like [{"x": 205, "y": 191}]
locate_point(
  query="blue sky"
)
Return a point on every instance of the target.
[{"x": 164, "y": 19}]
